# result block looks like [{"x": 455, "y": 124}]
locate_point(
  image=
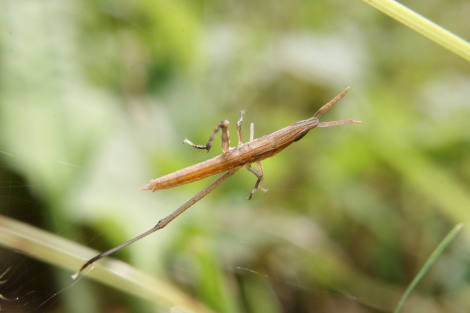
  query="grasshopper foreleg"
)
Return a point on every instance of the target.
[{"x": 258, "y": 173}]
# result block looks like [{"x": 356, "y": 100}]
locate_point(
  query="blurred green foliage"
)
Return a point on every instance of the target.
[{"x": 97, "y": 96}]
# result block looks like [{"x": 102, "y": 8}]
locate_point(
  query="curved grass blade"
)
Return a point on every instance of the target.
[{"x": 61, "y": 252}]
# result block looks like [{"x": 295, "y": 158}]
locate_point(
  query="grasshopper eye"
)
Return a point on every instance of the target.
[{"x": 301, "y": 135}]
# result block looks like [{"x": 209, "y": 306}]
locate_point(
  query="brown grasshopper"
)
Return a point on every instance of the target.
[{"x": 230, "y": 161}]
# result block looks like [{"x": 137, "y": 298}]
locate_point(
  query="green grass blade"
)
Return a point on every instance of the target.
[
  {"x": 423, "y": 26},
  {"x": 61, "y": 252},
  {"x": 436, "y": 253}
]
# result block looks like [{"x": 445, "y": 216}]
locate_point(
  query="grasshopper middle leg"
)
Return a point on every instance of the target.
[{"x": 223, "y": 125}]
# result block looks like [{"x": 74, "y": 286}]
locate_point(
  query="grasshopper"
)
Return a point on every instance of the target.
[{"x": 230, "y": 161}]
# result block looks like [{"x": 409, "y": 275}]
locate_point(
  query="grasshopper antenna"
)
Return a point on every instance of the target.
[{"x": 327, "y": 106}]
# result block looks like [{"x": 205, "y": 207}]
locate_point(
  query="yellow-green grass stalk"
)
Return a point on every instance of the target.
[
  {"x": 423, "y": 26},
  {"x": 68, "y": 255}
]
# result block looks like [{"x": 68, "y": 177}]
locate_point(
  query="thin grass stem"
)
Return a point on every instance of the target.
[{"x": 436, "y": 253}]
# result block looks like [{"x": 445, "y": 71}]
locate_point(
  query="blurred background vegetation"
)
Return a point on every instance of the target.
[{"x": 96, "y": 98}]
